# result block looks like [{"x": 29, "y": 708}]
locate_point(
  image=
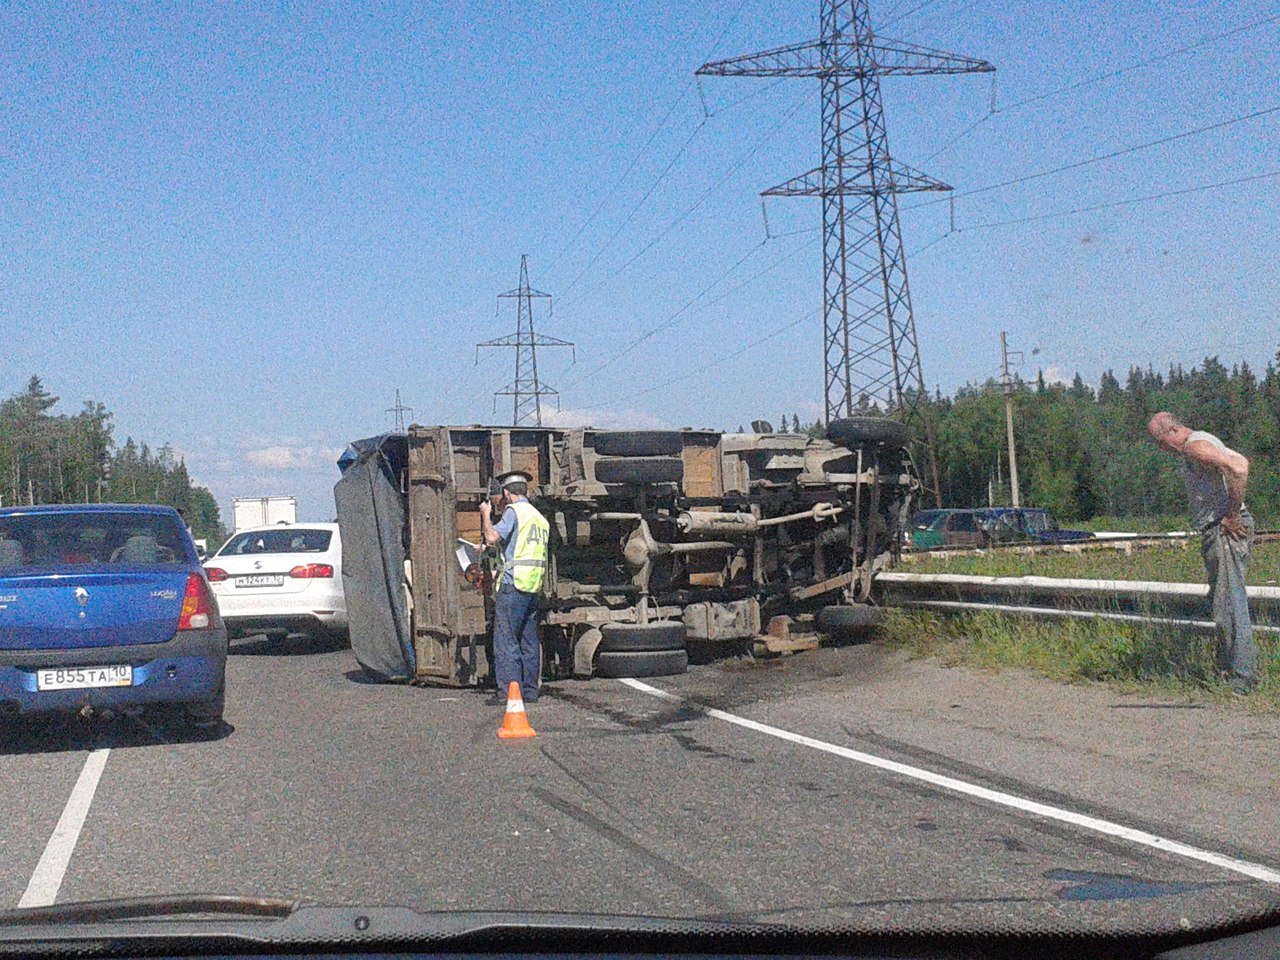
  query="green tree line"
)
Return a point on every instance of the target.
[
  {"x": 1084, "y": 452},
  {"x": 50, "y": 457}
]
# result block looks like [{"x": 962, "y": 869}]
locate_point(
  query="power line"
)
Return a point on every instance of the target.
[
  {"x": 617, "y": 184},
  {"x": 722, "y": 359},
  {"x": 1099, "y": 159},
  {"x": 704, "y": 368},
  {"x": 670, "y": 321},
  {"x": 1122, "y": 203},
  {"x": 635, "y": 160},
  {"x": 688, "y": 211},
  {"x": 910, "y": 13},
  {"x": 778, "y": 331},
  {"x": 674, "y": 318},
  {"x": 709, "y": 115},
  {"x": 794, "y": 233},
  {"x": 1099, "y": 78},
  {"x": 727, "y": 27},
  {"x": 745, "y": 97},
  {"x": 1140, "y": 63},
  {"x": 636, "y": 209}
]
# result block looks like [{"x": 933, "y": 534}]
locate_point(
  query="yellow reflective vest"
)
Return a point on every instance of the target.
[{"x": 529, "y": 559}]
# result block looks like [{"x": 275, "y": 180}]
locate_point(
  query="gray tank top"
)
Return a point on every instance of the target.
[{"x": 1206, "y": 487}]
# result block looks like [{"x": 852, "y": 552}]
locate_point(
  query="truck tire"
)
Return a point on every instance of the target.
[
  {"x": 639, "y": 443},
  {"x": 850, "y": 622},
  {"x": 640, "y": 470},
  {"x": 661, "y": 663},
  {"x": 656, "y": 637},
  {"x": 855, "y": 432}
]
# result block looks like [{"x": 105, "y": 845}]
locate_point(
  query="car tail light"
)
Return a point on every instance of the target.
[
  {"x": 312, "y": 571},
  {"x": 198, "y": 611},
  {"x": 216, "y": 574}
]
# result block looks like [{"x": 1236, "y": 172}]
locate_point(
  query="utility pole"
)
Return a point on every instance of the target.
[
  {"x": 526, "y": 390},
  {"x": 1008, "y": 414},
  {"x": 399, "y": 410},
  {"x": 871, "y": 357}
]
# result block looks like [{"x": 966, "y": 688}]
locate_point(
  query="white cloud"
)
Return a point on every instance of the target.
[
  {"x": 1055, "y": 374},
  {"x": 605, "y": 419},
  {"x": 292, "y": 457}
]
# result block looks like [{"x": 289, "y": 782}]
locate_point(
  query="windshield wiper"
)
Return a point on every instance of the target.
[{"x": 134, "y": 908}]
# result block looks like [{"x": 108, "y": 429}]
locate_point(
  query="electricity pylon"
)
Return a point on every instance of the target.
[
  {"x": 526, "y": 390},
  {"x": 871, "y": 357},
  {"x": 399, "y": 410}
]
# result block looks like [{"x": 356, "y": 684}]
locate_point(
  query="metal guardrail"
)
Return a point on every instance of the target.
[
  {"x": 1121, "y": 541},
  {"x": 1181, "y": 605}
]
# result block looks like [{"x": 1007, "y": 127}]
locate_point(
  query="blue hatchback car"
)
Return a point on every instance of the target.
[{"x": 106, "y": 607}]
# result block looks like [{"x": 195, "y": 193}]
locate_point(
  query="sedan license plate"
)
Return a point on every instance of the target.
[
  {"x": 261, "y": 580},
  {"x": 84, "y": 678}
]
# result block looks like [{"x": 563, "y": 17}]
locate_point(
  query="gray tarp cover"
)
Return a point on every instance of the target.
[{"x": 371, "y": 515}]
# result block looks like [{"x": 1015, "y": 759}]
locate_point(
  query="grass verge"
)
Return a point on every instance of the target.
[
  {"x": 1135, "y": 657},
  {"x": 1170, "y": 563}
]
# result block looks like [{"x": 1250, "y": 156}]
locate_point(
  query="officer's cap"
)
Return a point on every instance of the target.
[{"x": 515, "y": 476}]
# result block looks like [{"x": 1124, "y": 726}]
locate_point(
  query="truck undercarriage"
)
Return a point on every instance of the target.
[{"x": 663, "y": 543}]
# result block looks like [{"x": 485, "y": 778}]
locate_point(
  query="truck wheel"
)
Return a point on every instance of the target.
[
  {"x": 660, "y": 663},
  {"x": 851, "y": 622},
  {"x": 639, "y": 443},
  {"x": 855, "y": 432},
  {"x": 642, "y": 637},
  {"x": 640, "y": 470}
]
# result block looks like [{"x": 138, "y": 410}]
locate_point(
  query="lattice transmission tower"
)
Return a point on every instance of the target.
[
  {"x": 526, "y": 390},
  {"x": 399, "y": 410},
  {"x": 871, "y": 357}
]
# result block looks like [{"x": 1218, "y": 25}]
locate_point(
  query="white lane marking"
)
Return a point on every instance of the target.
[
  {"x": 42, "y": 889},
  {"x": 1256, "y": 871}
]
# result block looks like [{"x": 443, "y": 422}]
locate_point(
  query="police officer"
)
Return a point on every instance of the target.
[{"x": 523, "y": 533}]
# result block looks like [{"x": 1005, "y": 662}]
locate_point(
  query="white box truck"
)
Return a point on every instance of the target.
[{"x": 258, "y": 511}]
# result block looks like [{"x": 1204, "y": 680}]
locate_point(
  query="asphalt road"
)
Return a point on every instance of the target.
[{"x": 328, "y": 788}]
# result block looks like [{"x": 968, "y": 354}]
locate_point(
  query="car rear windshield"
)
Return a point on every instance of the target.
[
  {"x": 925, "y": 518},
  {"x": 34, "y": 540},
  {"x": 292, "y": 540}
]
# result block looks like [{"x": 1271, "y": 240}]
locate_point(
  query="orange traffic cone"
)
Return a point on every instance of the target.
[{"x": 515, "y": 722}]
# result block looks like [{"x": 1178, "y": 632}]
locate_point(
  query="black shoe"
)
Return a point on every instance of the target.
[{"x": 496, "y": 700}]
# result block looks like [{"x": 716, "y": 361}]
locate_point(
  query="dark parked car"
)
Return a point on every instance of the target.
[
  {"x": 984, "y": 526},
  {"x": 1021, "y": 524},
  {"x": 107, "y": 607},
  {"x": 946, "y": 528}
]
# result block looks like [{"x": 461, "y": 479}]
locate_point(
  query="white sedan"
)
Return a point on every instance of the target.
[{"x": 282, "y": 578}]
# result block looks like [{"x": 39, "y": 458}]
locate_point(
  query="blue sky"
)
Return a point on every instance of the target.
[{"x": 242, "y": 227}]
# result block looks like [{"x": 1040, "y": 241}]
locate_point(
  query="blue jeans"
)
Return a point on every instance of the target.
[
  {"x": 516, "y": 653},
  {"x": 1226, "y": 561}
]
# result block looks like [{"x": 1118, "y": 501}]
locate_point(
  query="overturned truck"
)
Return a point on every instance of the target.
[{"x": 662, "y": 543}]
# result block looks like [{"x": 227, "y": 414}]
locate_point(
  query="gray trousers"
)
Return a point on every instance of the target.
[{"x": 1226, "y": 561}]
